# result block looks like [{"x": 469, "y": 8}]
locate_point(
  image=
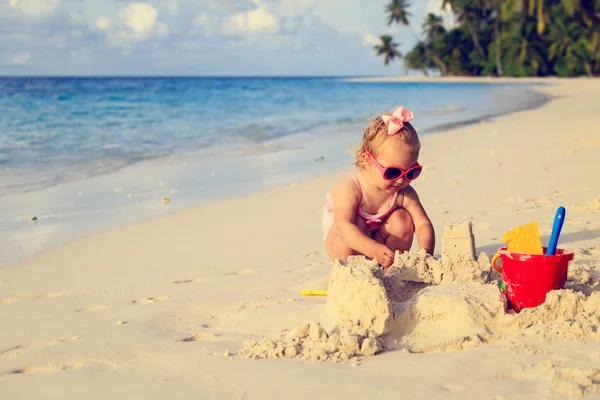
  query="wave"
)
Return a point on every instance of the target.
[{"x": 100, "y": 126}]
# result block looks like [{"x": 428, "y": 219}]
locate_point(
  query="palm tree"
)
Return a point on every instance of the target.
[
  {"x": 454, "y": 47},
  {"x": 499, "y": 18},
  {"x": 417, "y": 59},
  {"x": 397, "y": 11},
  {"x": 433, "y": 26},
  {"x": 466, "y": 11},
  {"x": 566, "y": 47},
  {"x": 387, "y": 47},
  {"x": 589, "y": 15},
  {"x": 527, "y": 53},
  {"x": 505, "y": 37},
  {"x": 543, "y": 16}
]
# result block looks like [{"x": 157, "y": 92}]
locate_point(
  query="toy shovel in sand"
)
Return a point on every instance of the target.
[
  {"x": 314, "y": 292},
  {"x": 559, "y": 220}
]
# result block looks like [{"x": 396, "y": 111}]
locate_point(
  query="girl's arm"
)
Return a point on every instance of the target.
[
  {"x": 423, "y": 226},
  {"x": 346, "y": 198}
]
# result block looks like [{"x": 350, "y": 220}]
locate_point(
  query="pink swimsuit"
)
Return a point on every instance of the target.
[{"x": 373, "y": 221}]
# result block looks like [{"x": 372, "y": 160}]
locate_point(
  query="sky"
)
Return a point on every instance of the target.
[{"x": 200, "y": 37}]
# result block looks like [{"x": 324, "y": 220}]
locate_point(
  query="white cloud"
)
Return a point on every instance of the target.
[
  {"x": 198, "y": 36},
  {"x": 133, "y": 23},
  {"x": 103, "y": 23},
  {"x": 35, "y": 8},
  {"x": 140, "y": 17},
  {"x": 435, "y": 7},
  {"x": 259, "y": 19},
  {"x": 370, "y": 40},
  {"x": 21, "y": 58}
]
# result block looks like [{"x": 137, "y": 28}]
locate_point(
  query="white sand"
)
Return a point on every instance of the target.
[{"x": 160, "y": 309}]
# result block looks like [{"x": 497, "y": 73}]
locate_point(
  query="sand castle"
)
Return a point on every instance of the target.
[{"x": 424, "y": 304}]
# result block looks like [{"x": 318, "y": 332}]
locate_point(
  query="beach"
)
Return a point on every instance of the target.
[
  {"x": 87, "y": 154},
  {"x": 161, "y": 308}
]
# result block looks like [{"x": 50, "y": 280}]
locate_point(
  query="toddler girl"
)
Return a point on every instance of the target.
[{"x": 375, "y": 211}]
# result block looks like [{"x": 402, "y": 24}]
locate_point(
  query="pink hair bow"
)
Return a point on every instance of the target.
[{"x": 395, "y": 122}]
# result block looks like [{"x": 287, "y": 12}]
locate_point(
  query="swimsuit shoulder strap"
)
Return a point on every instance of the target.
[
  {"x": 355, "y": 179},
  {"x": 392, "y": 204}
]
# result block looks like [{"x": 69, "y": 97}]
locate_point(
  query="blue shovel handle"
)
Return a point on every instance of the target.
[{"x": 559, "y": 219}]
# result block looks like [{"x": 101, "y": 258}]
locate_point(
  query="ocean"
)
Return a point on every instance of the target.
[{"x": 83, "y": 154}]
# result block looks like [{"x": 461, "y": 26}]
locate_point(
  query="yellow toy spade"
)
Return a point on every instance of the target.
[{"x": 523, "y": 239}]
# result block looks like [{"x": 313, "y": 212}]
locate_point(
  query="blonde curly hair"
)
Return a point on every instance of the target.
[{"x": 376, "y": 135}]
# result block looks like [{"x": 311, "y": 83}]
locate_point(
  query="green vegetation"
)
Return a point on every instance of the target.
[{"x": 502, "y": 38}]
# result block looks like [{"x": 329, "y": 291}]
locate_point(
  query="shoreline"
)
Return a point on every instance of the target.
[
  {"x": 161, "y": 307},
  {"x": 465, "y": 79},
  {"x": 224, "y": 148},
  {"x": 74, "y": 208},
  {"x": 539, "y": 102}
]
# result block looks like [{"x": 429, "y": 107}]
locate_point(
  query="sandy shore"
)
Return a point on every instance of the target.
[
  {"x": 458, "y": 79},
  {"x": 152, "y": 310}
]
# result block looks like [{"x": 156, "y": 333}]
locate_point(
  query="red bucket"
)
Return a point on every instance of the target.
[{"x": 529, "y": 277}]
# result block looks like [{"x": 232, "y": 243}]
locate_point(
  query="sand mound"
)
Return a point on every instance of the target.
[
  {"x": 311, "y": 342},
  {"x": 422, "y": 267},
  {"x": 424, "y": 304},
  {"x": 374, "y": 311},
  {"x": 584, "y": 275},
  {"x": 364, "y": 314},
  {"x": 377, "y": 312},
  {"x": 443, "y": 317},
  {"x": 564, "y": 315},
  {"x": 357, "y": 293}
]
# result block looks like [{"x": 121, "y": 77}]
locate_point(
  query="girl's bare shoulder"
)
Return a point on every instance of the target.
[{"x": 346, "y": 189}]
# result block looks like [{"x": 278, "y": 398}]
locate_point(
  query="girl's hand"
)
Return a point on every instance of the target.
[{"x": 383, "y": 255}]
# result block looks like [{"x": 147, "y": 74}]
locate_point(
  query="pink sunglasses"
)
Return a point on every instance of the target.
[{"x": 393, "y": 173}]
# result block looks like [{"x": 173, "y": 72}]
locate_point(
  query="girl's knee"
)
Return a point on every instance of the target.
[{"x": 400, "y": 223}]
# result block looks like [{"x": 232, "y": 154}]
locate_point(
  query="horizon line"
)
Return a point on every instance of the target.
[{"x": 192, "y": 76}]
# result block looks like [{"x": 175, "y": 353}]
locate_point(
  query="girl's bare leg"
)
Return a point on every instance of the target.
[
  {"x": 335, "y": 246},
  {"x": 397, "y": 231}
]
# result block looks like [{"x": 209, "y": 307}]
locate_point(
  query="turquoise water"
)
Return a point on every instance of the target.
[{"x": 83, "y": 154}]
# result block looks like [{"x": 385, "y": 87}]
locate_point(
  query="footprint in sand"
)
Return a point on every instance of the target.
[
  {"x": 18, "y": 349},
  {"x": 195, "y": 280},
  {"x": 250, "y": 306},
  {"x": 11, "y": 352},
  {"x": 149, "y": 300},
  {"x": 92, "y": 308},
  {"x": 313, "y": 254},
  {"x": 242, "y": 272},
  {"x": 8, "y": 300},
  {"x": 45, "y": 369},
  {"x": 201, "y": 337},
  {"x": 451, "y": 388},
  {"x": 48, "y": 295}
]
